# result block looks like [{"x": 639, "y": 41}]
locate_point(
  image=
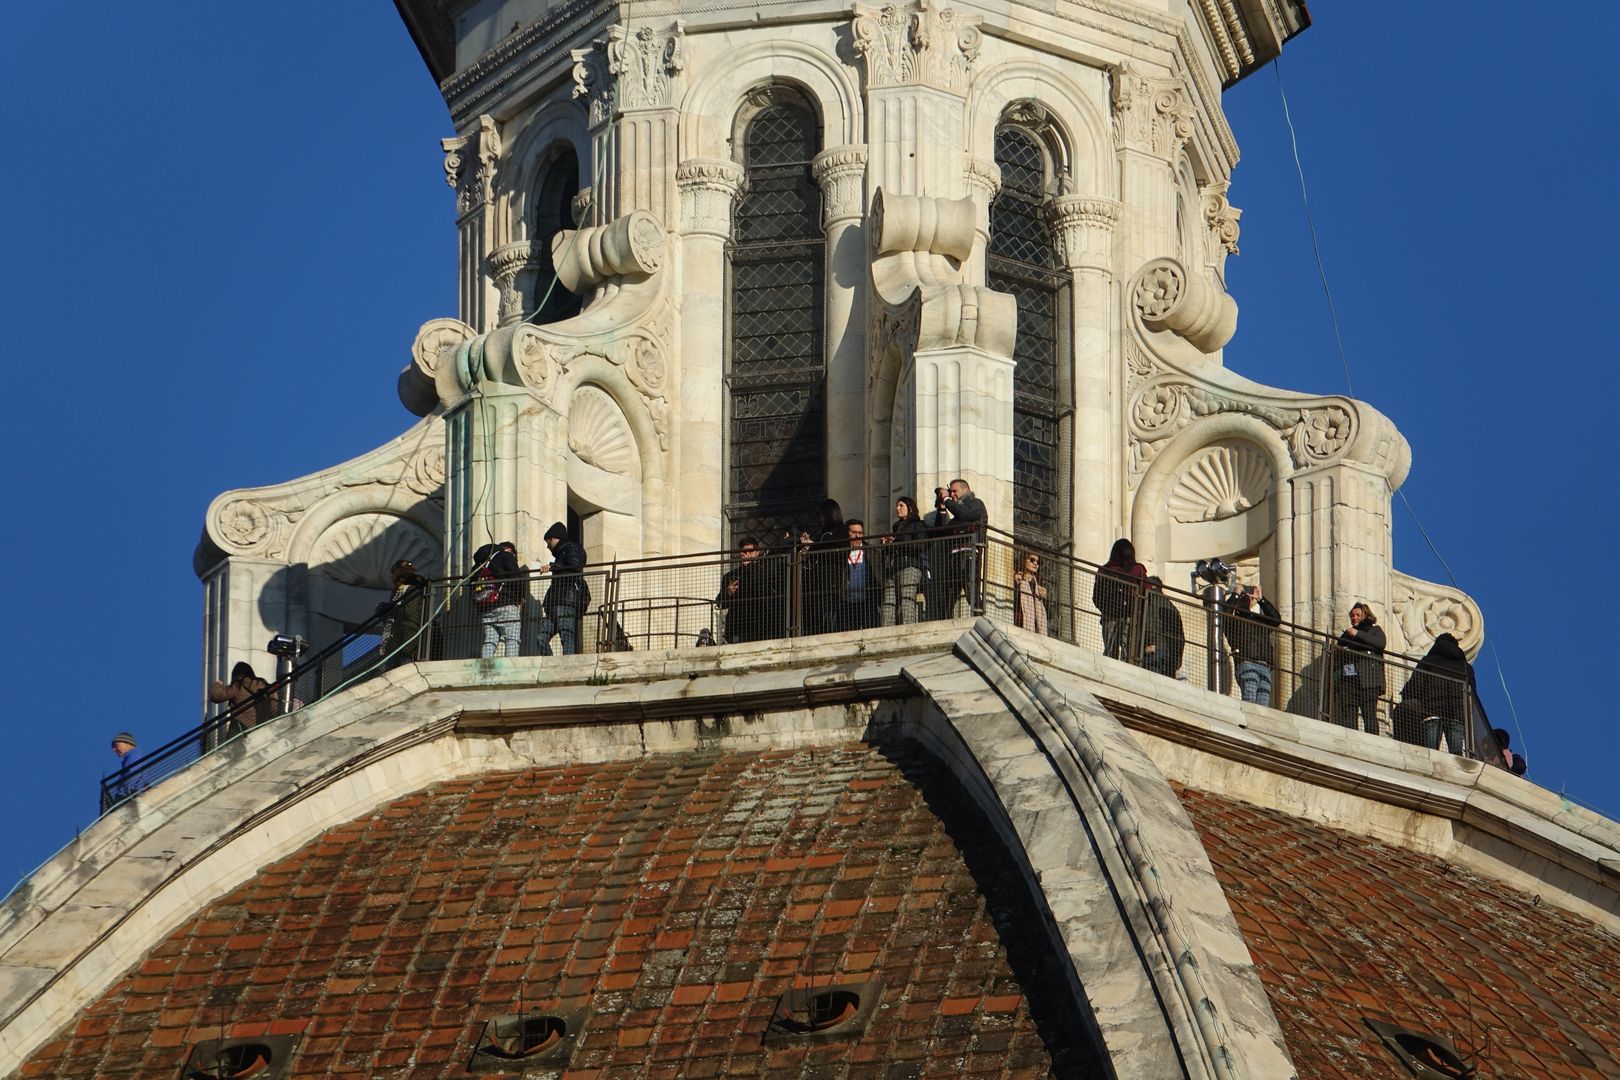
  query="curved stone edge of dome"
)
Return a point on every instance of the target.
[{"x": 71, "y": 929}]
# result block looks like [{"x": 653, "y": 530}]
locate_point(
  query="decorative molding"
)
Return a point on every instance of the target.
[
  {"x": 1222, "y": 218},
  {"x": 1164, "y": 406},
  {"x": 469, "y": 165},
  {"x": 361, "y": 548},
  {"x": 1220, "y": 482},
  {"x": 709, "y": 189},
  {"x": 841, "y": 172},
  {"x": 503, "y": 266},
  {"x": 919, "y": 45},
  {"x": 1084, "y": 229},
  {"x": 624, "y": 71},
  {"x": 1154, "y": 116}
]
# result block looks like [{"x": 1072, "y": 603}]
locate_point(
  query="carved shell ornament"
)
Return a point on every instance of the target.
[
  {"x": 1218, "y": 483},
  {"x": 360, "y": 550},
  {"x": 599, "y": 433}
]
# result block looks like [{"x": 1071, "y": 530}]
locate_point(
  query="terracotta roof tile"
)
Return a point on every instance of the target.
[
  {"x": 1344, "y": 928},
  {"x": 677, "y": 896}
]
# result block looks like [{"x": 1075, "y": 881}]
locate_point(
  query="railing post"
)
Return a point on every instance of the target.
[
  {"x": 1330, "y": 676},
  {"x": 1136, "y": 629},
  {"x": 795, "y": 596}
]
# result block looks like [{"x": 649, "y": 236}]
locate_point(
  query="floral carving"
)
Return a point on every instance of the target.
[
  {"x": 1158, "y": 408},
  {"x": 645, "y": 64},
  {"x": 1164, "y": 406},
  {"x": 244, "y": 523},
  {"x": 535, "y": 361},
  {"x": 1152, "y": 115},
  {"x": 921, "y": 45},
  {"x": 435, "y": 339},
  {"x": 1157, "y": 292},
  {"x": 479, "y": 149},
  {"x": 1321, "y": 434},
  {"x": 646, "y": 368},
  {"x": 1424, "y": 610},
  {"x": 592, "y": 82},
  {"x": 427, "y": 471}
]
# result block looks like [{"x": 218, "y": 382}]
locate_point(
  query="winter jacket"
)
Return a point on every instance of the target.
[
  {"x": 1363, "y": 651},
  {"x": 568, "y": 588},
  {"x": 1114, "y": 590},
  {"x": 1162, "y": 629},
  {"x": 1247, "y": 631}
]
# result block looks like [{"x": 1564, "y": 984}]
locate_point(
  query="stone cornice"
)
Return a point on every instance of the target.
[{"x": 546, "y": 40}]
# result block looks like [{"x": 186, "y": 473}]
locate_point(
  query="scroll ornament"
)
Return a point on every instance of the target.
[{"x": 1163, "y": 407}]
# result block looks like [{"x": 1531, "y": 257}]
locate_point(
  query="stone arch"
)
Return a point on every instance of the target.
[
  {"x": 710, "y": 106},
  {"x": 553, "y": 123},
  {"x": 1150, "y": 528},
  {"x": 1073, "y": 115},
  {"x": 371, "y": 500}
]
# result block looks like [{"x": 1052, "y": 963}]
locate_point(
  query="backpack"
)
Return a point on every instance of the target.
[{"x": 486, "y": 588}]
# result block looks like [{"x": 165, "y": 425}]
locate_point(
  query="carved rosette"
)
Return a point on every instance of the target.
[
  {"x": 1154, "y": 116},
  {"x": 534, "y": 361},
  {"x": 426, "y": 473},
  {"x": 1085, "y": 230},
  {"x": 918, "y": 45},
  {"x": 436, "y": 341},
  {"x": 245, "y": 523},
  {"x": 504, "y": 265},
  {"x": 841, "y": 172},
  {"x": 1424, "y": 610},
  {"x": 1193, "y": 306},
  {"x": 469, "y": 165},
  {"x": 709, "y": 190}
]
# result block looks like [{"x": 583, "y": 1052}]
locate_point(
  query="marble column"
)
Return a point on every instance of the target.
[
  {"x": 709, "y": 190},
  {"x": 1084, "y": 230},
  {"x": 841, "y": 172},
  {"x": 469, "y": 168}
]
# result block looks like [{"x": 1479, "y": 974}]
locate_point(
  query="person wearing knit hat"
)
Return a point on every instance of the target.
[
  {"x": 121, "y": 785},
  {"x": 568, "y": 596}
]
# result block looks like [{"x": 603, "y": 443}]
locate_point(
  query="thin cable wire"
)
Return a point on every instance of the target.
[{"x": 1344, "y": 361}]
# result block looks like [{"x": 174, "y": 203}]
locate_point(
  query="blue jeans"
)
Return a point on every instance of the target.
[
  {"x": 502, "y": 626},
  {"x": 564, "y": 621},
  {"x": 1254, "y": 681},
  {"x": 1434, "y": 726}
]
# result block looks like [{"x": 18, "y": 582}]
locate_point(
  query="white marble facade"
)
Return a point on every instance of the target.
[{"x": 620, "y": 412}]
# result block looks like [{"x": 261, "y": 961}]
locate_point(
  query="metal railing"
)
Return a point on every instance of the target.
[{"x": 797, "y": 590}]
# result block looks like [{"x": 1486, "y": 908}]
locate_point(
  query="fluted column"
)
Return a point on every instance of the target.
[
  {"x": 841, "y": 172},
  {"x": 469, "y": 168},
  {"x": 709, "y": 190},
  {"x": 1084, "y": 230}
]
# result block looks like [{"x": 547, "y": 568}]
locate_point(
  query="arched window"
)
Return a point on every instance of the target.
[
  {"x": 551, "y": 211},
  {"x": 777, "y": 370},
  {"x": 1022, "y": 260}
]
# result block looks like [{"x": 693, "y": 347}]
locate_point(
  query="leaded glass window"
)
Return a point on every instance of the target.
[
  {"x": 1022, "y": 260},
  {"x": 777, "y": 371},
  {"x": 551, "y": 211}
]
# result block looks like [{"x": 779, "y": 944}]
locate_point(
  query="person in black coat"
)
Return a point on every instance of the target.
[
  {"x": 745, "y": 596},
  {"x": 1248, "y": 622},
  {"x": 1358, "y": 671},
  {"x": 568, "y": 596},
  {"x": 1164, "y": 639},
  {"x": 1435, "y": 700},
  {"x": 823, "y": 571},
  {"x": 960, "y": 519},
  {"x": 905, "y": 564}
]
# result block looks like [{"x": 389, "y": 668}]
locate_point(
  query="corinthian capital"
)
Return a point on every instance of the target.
[
  {"x": 1222, "y": 218},
  {"x": 709, "y": 188},
  {"x": 646, "y": 63},
  {"x": 1085, "y": 230},
  {"x": 1151, "y": 115},
  {"x": 918, "y": 45},
  {"x": 469, "y": 164},
  {"x": 841, "y": 172}
]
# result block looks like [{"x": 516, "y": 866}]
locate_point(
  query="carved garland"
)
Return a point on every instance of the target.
[{"x": 1166, "y": 406}]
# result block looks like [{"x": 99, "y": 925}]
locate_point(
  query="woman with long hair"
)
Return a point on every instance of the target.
[
  {"x": 905, "y": 563},
  {"x": 1117, "y": 587},
  {"x": 1029, "y": 608}
]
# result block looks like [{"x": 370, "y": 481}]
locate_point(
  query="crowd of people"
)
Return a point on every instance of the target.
[{"x": 924, "y": 567}]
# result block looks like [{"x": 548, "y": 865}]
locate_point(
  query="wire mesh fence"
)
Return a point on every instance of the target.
[{"x": 798, "y": 589}]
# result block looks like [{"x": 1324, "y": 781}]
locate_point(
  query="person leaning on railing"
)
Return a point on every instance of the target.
[
  {"x": 1358, "y": 671},
  {"x": 403, "y": 609},
  {"x": 1435, "y": 699},
  {"x": 745, "y": 595},
  {"x": 246, "y": 695},
  {"x": 1114, "y": 592},
  {"x": 905, "y": 564}
]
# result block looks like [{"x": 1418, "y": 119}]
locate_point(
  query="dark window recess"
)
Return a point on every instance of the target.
[
  {"x": 266, "y": 1057},
  {"x": 777, "y": 370},
  {"x": 520, "y": 1041},
  {"x": 1022, "y": 260},
  {"x": 552, "y": 212},
  {"x": 1428, "y": 1057},
  {"x": 839, "y": 1011}
]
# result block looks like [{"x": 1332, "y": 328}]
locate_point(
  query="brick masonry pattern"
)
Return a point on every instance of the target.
[
  {"x": 1344, "y": 928},
  {"x": 677, "y": 897}
]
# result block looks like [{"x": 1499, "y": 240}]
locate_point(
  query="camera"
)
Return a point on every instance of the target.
[
  {"x": 287, "y": 645},
  {"x": 940, "y": 495}
]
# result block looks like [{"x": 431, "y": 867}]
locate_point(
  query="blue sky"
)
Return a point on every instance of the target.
[{"x": 222, "y": 231}]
